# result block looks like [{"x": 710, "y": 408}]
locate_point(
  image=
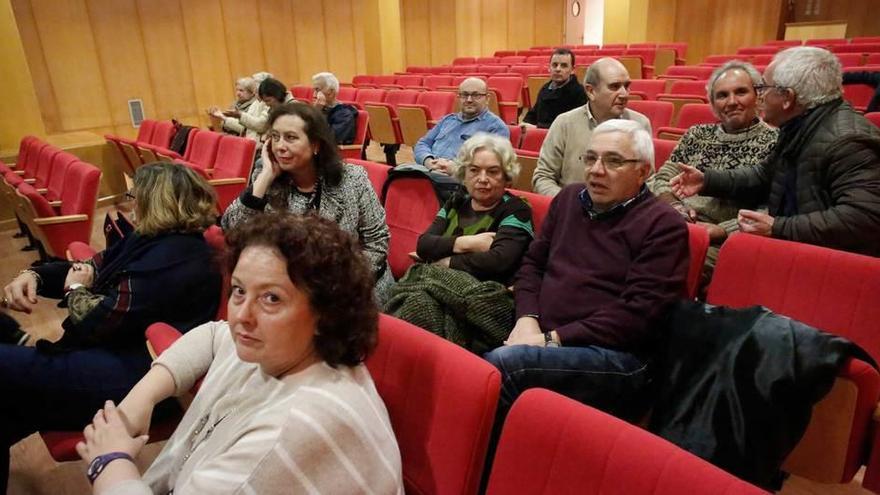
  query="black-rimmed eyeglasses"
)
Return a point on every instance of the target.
[{"x": 611, "y": 162}]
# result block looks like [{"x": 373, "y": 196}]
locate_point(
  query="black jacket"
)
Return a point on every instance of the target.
[{"x": 551, "y": 103}]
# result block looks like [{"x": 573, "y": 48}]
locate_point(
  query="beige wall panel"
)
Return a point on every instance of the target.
[
  {"x": 417, "y": 24},
  {"x": 121, "y": 55},
  {"x": 468, "y": 14},
  {"x": 357, "y": 11},
  {"x": 521, "y": 24},
  {"x": 339, "y": 30},
  {"x": 725, "y": 27},
  {"x": 212, "y": 78},
  {"x": 311, "y": 47},
  {"x": 494, "y": 26},
  {"x": 244, "y": 44},
  {"x": 33, "y": 51},
  {"x": 66, "y": 36},
  {"x": 167, "y": 58},
  {"x": 549, "y": 21},
  {"x": 661, "y": 20},
  {"x": 279, "y": 40},
  {"x": 443, "y": 47}
]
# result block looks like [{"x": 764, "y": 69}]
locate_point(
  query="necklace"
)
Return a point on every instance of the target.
[{"x": 195, "y": 441}]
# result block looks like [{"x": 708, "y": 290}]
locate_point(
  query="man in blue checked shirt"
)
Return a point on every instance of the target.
[{"x": 439, "y": 146}]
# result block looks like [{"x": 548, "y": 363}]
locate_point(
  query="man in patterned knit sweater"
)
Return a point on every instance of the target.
[{"x": 740, "y": 139}]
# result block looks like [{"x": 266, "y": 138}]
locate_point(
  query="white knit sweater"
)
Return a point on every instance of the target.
[{"x": 321, "y": 430}]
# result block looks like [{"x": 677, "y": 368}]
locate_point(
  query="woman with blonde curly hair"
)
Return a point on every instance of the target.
[{"x": 161, "y": 271}]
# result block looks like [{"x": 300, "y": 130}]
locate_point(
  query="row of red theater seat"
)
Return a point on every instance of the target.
[
  {"x": 826, "y": 288},
  {"x": 53, "y": 194}
]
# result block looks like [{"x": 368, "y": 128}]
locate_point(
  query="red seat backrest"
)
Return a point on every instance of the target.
[
  {"x": 697, "y": 71},
  {"x": 509, "y": 87},
  {"x": 512, "y": 59},
  {"x": 662, "y": 149},
  {"x": 647, "y": 53},
  {"x": 441, "y": 401},
  {"x": 588, "y": 452},
  {"x": 679, "y": 47},
  {"x": 25, "y": 146},
  {"x": 384, "y": 79},
  {"x": 363, "y": 123},
  {"x": 408, "y": 80},
  {"x": 202, "y": 151},
  {"x": 858, "y": 95},
  {"x": 217, "y": 241},
  {"x": 540, "y": 207},
  {"x": 303, "y": 93},
  {"x": 163, "y": 134},
  {"x": 826, "y": 41},
  {"x": 533, "y": 139},
  {"x": 698, "y": 245},
  {"x": 80, "y": 192},
  {"x": 57, "y": 181},
  {"x": 874, "y": 118},
  {"x": 695, "y": 113},
  {"x": 762, "y": 59},
  {"x": 696, "y": 88},
  {"x": 463, "y": 61},
  {"x": 347, "y": 94},
  {"x": 376, "y": 172},
  {"x": 145, "y": 131},
  {"x": 398, "y": 96},
  {"x": 651, "y": 87},
  {"x": 857, "y": 48},
  {"x": 362, "y": 79},
  {"x": 235, "y": 157},
  {"x": 410, "y": 207},
  {"x": 755, "y": 50},
  {"x": 658, "y": 112},
  {"x": 492, "y": 69},
  {"x": 873, "y": 59},
  {"x": 720, "y": 59},
  {"x": 370, "y": 95},
  {"x": 529, "y": 70},
  {"x": 849, "y": 59},
  {"x": 515, "y": 135},
  {"x": 832, "y": 290},
  {"x": 439, "y": 103},
  {"x": 539, "y": 59},
  {"x": 435, "y": 81},
  {"x": 44, "y": 165}
]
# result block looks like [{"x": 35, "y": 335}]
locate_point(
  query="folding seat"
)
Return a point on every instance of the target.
[
  {"x": 581, "y": 52},
  {"x": 505, "y": 53},
  {"x": 493, "y": 69},
  {"x": 633, "y": 65},
  {"x": 690, "y": 114},
  {"x": 539, "y": 59},
  {"x": 874, "y": 118},
  {"x": 128, "y": 147},
  {"x": 357, "y": 148},
  {"x": 614, "y": 46},
  {"x": 465, "y": 69},
  {"x": 347, "y": 95},
  {"x": 435, "y": 81},
  {"x": 757, "y": 50},
  {"x": 533, "y": 139},
  {"x": 587, "y": 47},
  {"x": 762, "y": 59},
  {"x": 528, "y": 53},
  {"x": 24, "y": 146},
  {"x": 509, "y": 95},
  {"x": 642, "y": 45},
  {"x": 865, "y": 39},
  {"x": 384, "y": 122},
  {"x": 167, "y": 155},
  {"x": 650, "y": 88},
  {"x": 463, "y": 61},
  {"x": 540, "y": 204},
  {"x": 527, "y": 155},
  {"x": 512, "y": 59},
  {"x": 36, "y": 166},
  {"x": 369, "y": 95},
  {"x": 872, "y": 59},
  {"x": 58, "y": 179},
  {"x": 202, "y": 151},
  {"x": 27, "y": 162},
  {"x": 658, "y": 112},
  {"x": 858, "y": 95},
  {"x": 534, "y": 83},
  {"x": 516, "y": 133},
  {"x": 680, "y": 50},
  {"x": 302, "y": 93},
  {"x": 662, "y": 150},
  {"x": 415, "y": 120},
  {"x": 857, "y": 48},
  {"x": 231, "y": 168},
  {"x": 410, "y": 206},
  {"x": 610, "y": 52},
  {"x": 73, "y": 220},
  {"x": 698, "y": 246},
  {"x": 682, "y": 92},
  {"x": 783, "y": 43},
  {"x": 648, "y": 55},
  {"x": 585, "y": 451},
  {"x": 826, "y": 42},
  {"x": 384, "y": 79},
  {"x": 834, "y": 291},
  {"x": 486, "y": 60},
  {"x": 692, "y": 72},
  {"x": 377, "y": 173},
  {"x": 408, "y": 80},
  {"x": 358, "y": 80},
  {"x": 161, "y": 139},
  {"x": 850, "y": 59}
]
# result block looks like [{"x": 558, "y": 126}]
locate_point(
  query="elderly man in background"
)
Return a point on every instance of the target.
[
  {"x": 342, "y": 117},
  {"x": 739, "y": 140},
  {"x": 562, "y": 93},
  {"x": 822, "y": 182},
  {"x": 437, "y": 149},
  {"x": 247, "y": 120},
  {"x": 587, "y": 315},
  {"x": 559, "y": 164}
]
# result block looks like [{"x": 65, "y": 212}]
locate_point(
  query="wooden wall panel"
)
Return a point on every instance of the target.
[
  {"x": 279, "y": 40},
  {"x": 311, "y": 43},
  {"x": 66, "y": 37},
  {"x": 494, "y": 26},
  {"x": 121, "y": 54},
  {"x": 725, "y": 27},
  {"x": 443, "y": 42},
  {"x": 520, "y": 25},
  {"x": 860, "y": 15},
  {"x": 36, "y": 60},
  {"x": 416, "y": 20},
  {"x": 244, "y": 44},
  {"x": 207, "y": 51},
  {"x": 549, "y": 18},
  {"x": 340, "y": 40}
]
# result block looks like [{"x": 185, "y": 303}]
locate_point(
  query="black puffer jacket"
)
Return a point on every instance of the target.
[{"x": 837, "y": 155}]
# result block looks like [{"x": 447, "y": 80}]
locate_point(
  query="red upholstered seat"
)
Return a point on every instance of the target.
[
  {"x": 533, "y": 139},
  {"x": 540, "y": 207},
  {"x": 691, "y": 114},
  {"x": 662, "y": 149},
  {"x": 698, "y": 245},
  {"x": 834, "y": 291},
  {"x": 231, "y": 169},
  {"x": 658, "y": 112},
  {"x": 757, "y": 50},
  {"x": 516, "y": 133},
  {"x": 303, "y": 93},
  {"x": 410, "y": 207},
  {"x": 384, "y": 122},
  {"x": 356, "y": 149},
  {"x": 858, "y": 95},
  {"x": 58, "y": 179},
  {"x": 650, "y": 87},
  {"x": 369, "y": 95},
  {"x": 874, "y": 118},
  {"x": 416, "y": 119},
  {"x": 857, "y": 48},
  {"x": 553, "y": 445},
  {"x": 377, "y": 172},
  {"x": 692, "y": 72}
]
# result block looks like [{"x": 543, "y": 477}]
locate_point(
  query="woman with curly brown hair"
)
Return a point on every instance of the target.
[{"x": 287, "y": 405}]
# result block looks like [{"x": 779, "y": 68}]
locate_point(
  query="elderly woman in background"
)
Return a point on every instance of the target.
[
  {"x": 163, "y": 271},
  {"x": 740, "y": 139},
  {"x": 473, "y": 247},
  {"x": 287, "y": 405},
  {"x": 251, "y": 120},
  {"x": 341, "y": 116},
  {"x": 300, "y": 170},
  {"x": 245, "y": 98}
]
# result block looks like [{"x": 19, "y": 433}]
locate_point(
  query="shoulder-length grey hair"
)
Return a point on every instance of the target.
[
  {"x": 813, "y": 73},
  {"x": 489, "y": 142}
]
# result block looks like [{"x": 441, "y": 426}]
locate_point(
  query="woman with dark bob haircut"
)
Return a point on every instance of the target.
[
  {"x": 286, "y": 405},
  {"x": 163, "y": 270},
  {"x": 300, "y": 170}
]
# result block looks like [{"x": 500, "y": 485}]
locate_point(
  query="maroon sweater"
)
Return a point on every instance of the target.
[{"x": 604, "y": 281}]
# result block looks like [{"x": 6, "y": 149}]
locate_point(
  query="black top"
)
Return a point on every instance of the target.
[
  {"x": 552, "y": 102},
  {"x": 343, "y": 120},
  {"x": 511, "y": 220}
]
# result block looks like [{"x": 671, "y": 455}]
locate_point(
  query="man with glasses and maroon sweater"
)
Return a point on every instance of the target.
[
  {"x": 608, "y": 262},
  {"x": 436, "y": 149}
]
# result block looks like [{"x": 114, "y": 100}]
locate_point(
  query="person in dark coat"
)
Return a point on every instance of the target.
[
  {"x": 562, "y": 93},
  {"x": 342, "y": 117},
  {"x": 822, "y": 182}
]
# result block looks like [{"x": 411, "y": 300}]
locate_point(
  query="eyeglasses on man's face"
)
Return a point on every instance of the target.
[
  {"x": 610, "y": 161},
  {"x": 762, "y": 88},
  {"x": 129, "y": 195},
  {"x": 472, "y": 96}
]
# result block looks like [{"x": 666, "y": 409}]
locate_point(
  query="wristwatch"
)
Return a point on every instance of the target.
[
  {"x": 548, "y": 340},
  {"x": 96, "y": 467}
]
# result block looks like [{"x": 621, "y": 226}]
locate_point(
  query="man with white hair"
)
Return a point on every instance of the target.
[
  {"x": 559, "y": 164},
  {"x": 609, "y": 260},
  {"x": 822, "y": 182},
  {"x": 342, "y": 117}
]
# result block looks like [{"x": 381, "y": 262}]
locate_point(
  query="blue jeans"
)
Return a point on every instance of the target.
[{"x": 610, "y": 380}]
